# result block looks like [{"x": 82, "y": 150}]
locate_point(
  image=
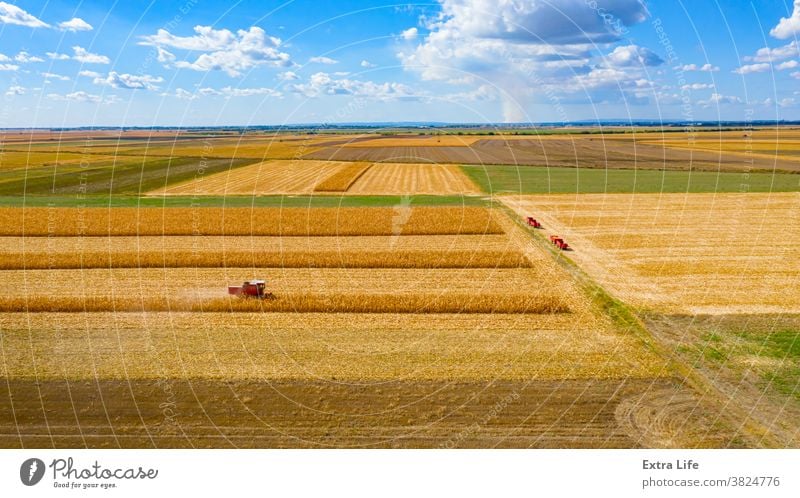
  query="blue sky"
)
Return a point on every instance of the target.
[{"x": 197, "y": 62}]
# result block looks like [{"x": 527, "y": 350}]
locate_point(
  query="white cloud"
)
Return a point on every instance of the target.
[
  {"x": 58, "y": 57},
  {"x": 784, "y": 102},
  {"x": 788, "y": 27},
  {"x": 25, "y": 57},
  {"x": 81, "y": 96},
  {"x": 367, "y": 64},
  {"x": 129, "y": 81},
  {"x": 164, "y": 56},
  {"x": 525, "y": 45},
  {"x": 796, "y": 75},
  {"x": 767, "y": 54},
  {"x": 708, "y": 68},
  {"x": 752, "y": 68},
  {"x": 15, "y": 90},
  {"x": 410, "y": 34},
  {"x": 482, "y": 93},
  {"x": 223, "y": 50},
  {"x": 11, "y": 14},
  {"x": 323, "y": 84},
  {"x": 229, "y": 92},
  {"x": 717, "y": 99},
  {"x": 181, "y": 94},
  {"x": 84, "y": 56},
  {"x": 75, "y": 24},
  {"x": 54, "y": 76},
  {"x": 697, "y": 86},
  {"x": 89, "y": 74},
  {"x": 8, "y": 67},
  {"x": 288, "y": 76},
  {"x": 787, "y": 65},
  {"x": 323, "y": 60},
  {"x": 632, "y": 55}
]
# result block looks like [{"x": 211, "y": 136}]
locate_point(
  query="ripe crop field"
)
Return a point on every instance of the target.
[
  {"x": 402, "y": 220},
  {"x": 271, "y": 177},
  {"x": 343, "y": 179},
  {"x": 400, "y": 178},
  {"x": 301, "y": 289},
  {"x": 698, "y": 253},
  {"x": 433, "y": 251},
  {"x": 759, "y": 143}
]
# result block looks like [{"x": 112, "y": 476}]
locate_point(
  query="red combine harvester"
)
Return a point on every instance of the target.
[
  {"x": 256, "y": 289},
  {"x": 533, "y": 223},
  {"x": 559, "y": 242}
]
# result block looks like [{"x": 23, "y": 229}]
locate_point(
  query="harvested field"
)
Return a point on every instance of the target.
[
  {"x": 342, "y": 179},
  {"x": 322, "y": 414},
  {"x": 400, "y": 178},
  {"x": 271, "y": 177},
  {"x": 349, "y": 348},
  {"x": 697, "y": 253},
  {"x": 403, "y": 220}
]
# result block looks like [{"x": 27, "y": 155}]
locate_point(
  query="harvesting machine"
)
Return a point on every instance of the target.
[
  {"x": 533, "y": 223},
  {"x": 559, "y": 242},
  {"x": 255, "y": 289}
]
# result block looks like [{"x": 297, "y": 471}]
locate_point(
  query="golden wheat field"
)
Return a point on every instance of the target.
[
  {"x": 412, "y": 251},
  {"x": 403, "y": 178},
  {"x": 695, "y": 253},
  {"x": 25, "y": 159},
  {"x": 400, "y": 220},
  {"x": 270, "y": 177},
  {"x": 298, "y": 289},
  {"x": 353, "y": 347},
  {"x": 341, "y": 180}
]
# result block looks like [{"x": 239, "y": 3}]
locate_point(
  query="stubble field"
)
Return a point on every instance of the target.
[{"x": 695, "y": 253}]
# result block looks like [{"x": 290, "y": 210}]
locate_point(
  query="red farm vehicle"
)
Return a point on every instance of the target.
[
  {"x": 559, "y": 242},
  {"x": 252, "y": 289},
  {"x": 531, "y": 221}
]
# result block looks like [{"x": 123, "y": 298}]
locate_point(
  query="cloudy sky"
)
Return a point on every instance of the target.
[{"x": 197, "y": 62}]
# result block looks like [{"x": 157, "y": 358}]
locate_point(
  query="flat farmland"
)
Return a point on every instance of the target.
[
  {"x": 410, "y": 251},
  {"x": 271, "y": 177},
  {"x": 678, "y": 253},
  {"x": 363, "y": 357},
  {"x": 412, "y": 141},
  {"x": 576, "y": 151},
  {"x": 395, "y": 221},
  {"x": 411, "y": 309},
  {"x": 401, "y": 178}
]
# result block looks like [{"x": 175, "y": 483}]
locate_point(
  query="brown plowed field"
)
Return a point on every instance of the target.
[{"x": 584, "y": 152}]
